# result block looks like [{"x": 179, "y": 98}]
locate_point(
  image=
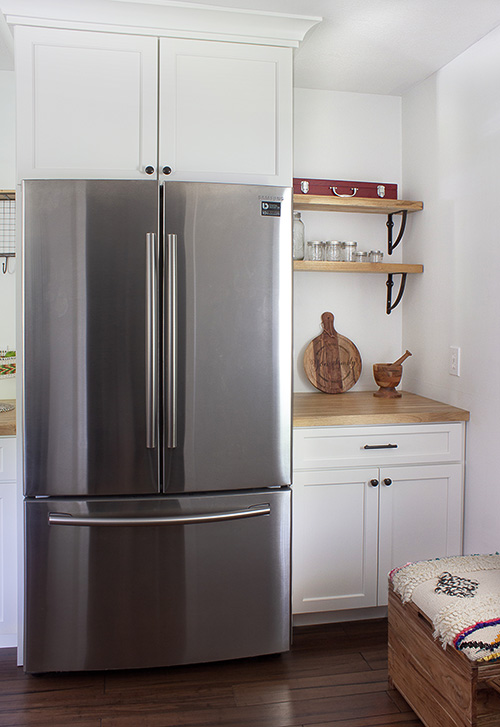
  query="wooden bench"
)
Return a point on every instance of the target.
[{"x": 442, "y": 686}]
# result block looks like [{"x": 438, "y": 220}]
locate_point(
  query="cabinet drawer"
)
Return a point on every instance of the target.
[
  {"x": 7, "y": 458},
  {"x": 322, "y": 447}
]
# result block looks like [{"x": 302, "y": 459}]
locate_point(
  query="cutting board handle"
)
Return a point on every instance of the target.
[{"x": 327, "y": 321}]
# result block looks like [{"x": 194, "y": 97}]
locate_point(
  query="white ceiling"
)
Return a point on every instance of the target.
[
  {"x": 370, "y": 46},
  {"x": 379, "y": 46}
]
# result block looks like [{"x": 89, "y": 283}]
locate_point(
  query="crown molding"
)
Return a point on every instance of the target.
[{"x": 163, "y": 18}]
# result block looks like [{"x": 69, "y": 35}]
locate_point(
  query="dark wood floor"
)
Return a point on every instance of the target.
[{"x": 335, "y": 676}]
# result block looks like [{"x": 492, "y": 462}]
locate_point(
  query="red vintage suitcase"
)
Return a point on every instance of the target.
[{"x": 339, "y": 188}]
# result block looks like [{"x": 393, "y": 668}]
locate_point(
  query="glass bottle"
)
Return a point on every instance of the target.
[{"x": 298, "y": 237}]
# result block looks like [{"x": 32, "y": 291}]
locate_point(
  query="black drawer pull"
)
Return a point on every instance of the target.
[{"x": 380, "y": 446}]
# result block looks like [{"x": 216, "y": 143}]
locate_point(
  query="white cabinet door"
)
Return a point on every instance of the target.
[
  {"x": 8, "y": 565},
  {"x": 86, "y": 104},
  {"x": 8, "y": 543},
  {"x": 225, "y": 112},
  {"x": 334, "y": 560},
  {"x": 420, "y": 516}
]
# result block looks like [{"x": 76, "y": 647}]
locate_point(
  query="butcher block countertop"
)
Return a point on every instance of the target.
[
  {"x": 8, "y": 420},
  {"x": 361, "y": 407}
]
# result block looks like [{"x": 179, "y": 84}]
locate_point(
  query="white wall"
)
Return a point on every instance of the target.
[
  {"x": 7, "y": 181},
  {"x": 451, "y": 152},
  {"x": 347, "y": 136}
]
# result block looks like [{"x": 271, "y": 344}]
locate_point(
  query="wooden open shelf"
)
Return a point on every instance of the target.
[
  {"x": 343, "y": 267},
  {"x": 322, "y": 203},
  {"x": 389, "y": 207}
]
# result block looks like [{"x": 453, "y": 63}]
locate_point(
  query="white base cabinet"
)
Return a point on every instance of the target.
[
  {"x": 108, "y": 105},
  {"x": 353, "y": 524},
  {"x": 8, "y": 542}
]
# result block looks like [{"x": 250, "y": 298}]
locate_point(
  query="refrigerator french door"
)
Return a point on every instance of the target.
[{"x": 157, "y": 401}]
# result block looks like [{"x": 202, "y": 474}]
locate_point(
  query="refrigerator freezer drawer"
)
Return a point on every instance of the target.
[{"x": 156, "y": 581}]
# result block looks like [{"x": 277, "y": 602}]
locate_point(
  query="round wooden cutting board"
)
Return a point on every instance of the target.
[{"x": 332, "y": 362}]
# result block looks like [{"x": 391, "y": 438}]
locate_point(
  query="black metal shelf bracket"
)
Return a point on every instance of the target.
[
  {"x": 5, "y": 264},
  {"x": 390, "y": 283},
  {"x": 390, "y": 224}
]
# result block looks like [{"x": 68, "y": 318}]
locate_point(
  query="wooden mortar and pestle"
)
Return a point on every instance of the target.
[{"x": 387, "y": 376}]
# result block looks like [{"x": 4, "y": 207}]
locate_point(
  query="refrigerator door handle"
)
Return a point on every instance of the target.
[
  {"x": 56, "y": 518},
  {"x": 151, "y": 340},
  {"x": 170, "y": 316}
]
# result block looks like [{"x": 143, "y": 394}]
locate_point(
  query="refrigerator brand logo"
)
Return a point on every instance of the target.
[{"x": 270, "y": 209}]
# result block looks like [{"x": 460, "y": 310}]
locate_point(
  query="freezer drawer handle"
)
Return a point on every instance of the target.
[
  {"x": 57, "y": 518},
  {"x": 151, "y": 340}
]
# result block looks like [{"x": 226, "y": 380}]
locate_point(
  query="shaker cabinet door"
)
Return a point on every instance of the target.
[
  {"x": 335, "y": 531},
  {"x": 420, "y": 516},
  {"x": 225, "y": 112},
  {"x": 8, "y": 539},
  {"x": 86, "y": 104}
]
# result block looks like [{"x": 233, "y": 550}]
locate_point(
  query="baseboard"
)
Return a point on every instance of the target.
[
  {"x": 326, "y": 617},
  {"x": 7, "y": 641}
]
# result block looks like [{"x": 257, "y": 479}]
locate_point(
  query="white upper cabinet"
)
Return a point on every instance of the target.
[
  {"x": 86, "y": 104},
  {"x": 88, "y": 107},
  {"x": 225, "y": 112}
]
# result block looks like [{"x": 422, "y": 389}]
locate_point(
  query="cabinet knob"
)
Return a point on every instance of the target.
[
  {"x": 167, "y": 170},
  {"x": 374, "y": 483},
  {"x": 387, "y": 481},
  {"x": 149, "y": 169}
]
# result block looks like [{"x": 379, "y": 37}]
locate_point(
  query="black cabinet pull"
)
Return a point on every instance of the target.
[
  {"x": 167, "y": 170},
  {"x": 374, "y": 483},
  {"x": 149, "y": 169},
  {"x": 387, "y": 481},
  {"x": 380, "y": 446}
]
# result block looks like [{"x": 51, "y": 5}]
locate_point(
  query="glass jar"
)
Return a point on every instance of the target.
[
  {"x": 298, "y": 237},
  {"x": 376, "y": 256},
  {"x": 360, "y": 257},
  {"x": 315, "y": 250},
  {"x": 333, "y": 250},
  {"x": 350, "y": 250}
]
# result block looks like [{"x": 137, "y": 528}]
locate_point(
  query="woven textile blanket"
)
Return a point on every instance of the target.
[{"x": 461, "y": 597}]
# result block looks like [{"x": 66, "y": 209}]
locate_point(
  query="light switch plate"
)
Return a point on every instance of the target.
[{"x": 454, "y": 361}]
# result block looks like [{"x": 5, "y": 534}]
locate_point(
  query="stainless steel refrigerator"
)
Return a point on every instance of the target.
[{"x": 157, "y": 409}]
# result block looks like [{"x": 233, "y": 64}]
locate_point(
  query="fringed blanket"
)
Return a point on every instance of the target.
[{"x": 461, "y": 596}]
